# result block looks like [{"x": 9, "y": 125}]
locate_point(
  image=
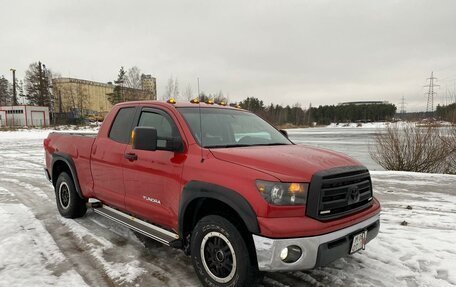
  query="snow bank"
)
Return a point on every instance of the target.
[{"x": 379, "y": 125}]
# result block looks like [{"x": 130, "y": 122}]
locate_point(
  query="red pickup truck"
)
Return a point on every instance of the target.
[{"x": 219, "y": 183}]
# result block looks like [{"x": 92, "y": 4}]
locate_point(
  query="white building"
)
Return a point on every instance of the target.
[{"x": 24, "y": 116}]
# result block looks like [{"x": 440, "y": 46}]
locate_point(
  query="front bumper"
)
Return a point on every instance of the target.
[{"x": 316, "y": 250}]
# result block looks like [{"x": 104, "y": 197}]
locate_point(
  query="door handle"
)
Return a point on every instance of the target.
[{"x": 131, "y": 156}]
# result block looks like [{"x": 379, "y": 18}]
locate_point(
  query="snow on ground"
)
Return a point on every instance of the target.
[
  {"x": 29, "y": 255},
  {"x": 39, "y": 248}
]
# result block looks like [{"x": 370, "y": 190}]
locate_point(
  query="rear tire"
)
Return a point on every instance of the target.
[
  {"x": 69, "y": 204},
  {"x": 220, "y": 255}
]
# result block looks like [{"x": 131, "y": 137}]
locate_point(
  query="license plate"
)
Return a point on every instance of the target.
[{"x": 359, "y": 242}]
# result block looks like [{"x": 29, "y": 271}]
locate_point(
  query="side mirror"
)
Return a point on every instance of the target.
[
  {"x": 284, "y": 132},
  {"x": 144, "y": 138}
]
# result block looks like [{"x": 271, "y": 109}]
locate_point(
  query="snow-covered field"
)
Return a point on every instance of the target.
[{"x": 39, "y": 248}]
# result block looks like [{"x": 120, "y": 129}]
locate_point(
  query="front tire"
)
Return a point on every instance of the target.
[
  {"x": 69, "y": 204},
  {"x": 220, "y": 255}
]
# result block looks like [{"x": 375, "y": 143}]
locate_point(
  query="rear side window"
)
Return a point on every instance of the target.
[{"x": 121, "y": 128}]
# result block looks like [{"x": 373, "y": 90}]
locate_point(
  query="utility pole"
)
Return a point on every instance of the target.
[
  {"x": 430, "y": 94},
  {"x": 14, "y": 87},
  {"x": 40, "y": 73},
  {"x": 403, "y": 107},
  {"x": 47, "y": 93}
]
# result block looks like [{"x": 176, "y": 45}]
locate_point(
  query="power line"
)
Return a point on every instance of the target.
[
  {"x": 403, "y": 106},
  {"x": 431, "y": 93}
]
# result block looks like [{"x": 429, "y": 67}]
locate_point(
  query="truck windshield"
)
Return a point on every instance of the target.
[{"x": 224, "y": 128}]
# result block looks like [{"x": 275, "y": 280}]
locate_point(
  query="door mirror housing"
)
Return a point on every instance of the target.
[
  {"x": 284, "y": 132},
  {"x": 144, "y": 138}
]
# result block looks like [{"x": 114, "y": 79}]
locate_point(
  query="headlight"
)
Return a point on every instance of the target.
[{"x": 279, "y": 193}]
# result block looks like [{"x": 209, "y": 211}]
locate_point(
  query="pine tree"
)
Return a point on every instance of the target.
[
  {"x": 5, "y": 96},
  {"x": 118, "y": 95},
  {"x": 37, "y": 83}
]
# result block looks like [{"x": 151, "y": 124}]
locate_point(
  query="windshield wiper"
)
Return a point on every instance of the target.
[
  {"x": 267, "y": 144},
  {"x": 228, "y": 145},
  {"x": 244, "y": 145}
]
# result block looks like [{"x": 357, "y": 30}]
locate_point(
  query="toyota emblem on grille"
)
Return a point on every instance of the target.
[{"x": 353, "y": 193}]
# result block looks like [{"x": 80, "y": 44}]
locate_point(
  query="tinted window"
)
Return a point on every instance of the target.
[
  {"x": 121, "y": 128},
  {"x": 163, "y": 124},
  {"x": 157, "y": 121}
]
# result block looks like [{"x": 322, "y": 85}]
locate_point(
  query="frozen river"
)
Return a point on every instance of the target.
[{"x": 354, "y": 142}]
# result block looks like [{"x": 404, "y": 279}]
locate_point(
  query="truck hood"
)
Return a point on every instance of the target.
[{"x": 288, "y": 163}]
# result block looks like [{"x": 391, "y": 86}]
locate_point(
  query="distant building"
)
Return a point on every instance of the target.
[
  {"x": 359, "y": 103},
  {"x": 89, "y": 97},
  {"x": 70, "y": 94},
  {"x": 14, "y": 116},
  {"x": 149, "y": 84}
]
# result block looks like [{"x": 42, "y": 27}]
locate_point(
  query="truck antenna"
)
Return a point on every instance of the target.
[{"x": 201, "y": 122}]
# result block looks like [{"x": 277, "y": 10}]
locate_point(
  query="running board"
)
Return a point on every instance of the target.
[{"x": 159, "y": 234}]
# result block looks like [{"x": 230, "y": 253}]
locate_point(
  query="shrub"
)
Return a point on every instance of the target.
[{"x": 418, "y": 149}]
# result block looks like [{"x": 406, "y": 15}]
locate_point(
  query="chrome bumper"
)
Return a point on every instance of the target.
[{"x": 268, "y": 249}]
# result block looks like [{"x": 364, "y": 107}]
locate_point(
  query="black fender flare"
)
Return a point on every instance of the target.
[
  {"x": 58, "y": 156},
  {"x": 198, "y": 189}
]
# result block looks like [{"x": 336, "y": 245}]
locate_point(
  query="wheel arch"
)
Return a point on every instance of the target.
[
  {"x": 202, "y": 198},
  {"x": 64, "y": 163}
]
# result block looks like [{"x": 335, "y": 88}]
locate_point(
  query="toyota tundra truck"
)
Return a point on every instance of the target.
[{"x": 218, "y": 182}]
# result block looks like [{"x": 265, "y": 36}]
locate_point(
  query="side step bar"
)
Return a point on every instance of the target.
[{"x": 159, "y": 234}]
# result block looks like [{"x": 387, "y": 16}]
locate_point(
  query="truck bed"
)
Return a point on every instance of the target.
[{"x": 77, "y": 146}]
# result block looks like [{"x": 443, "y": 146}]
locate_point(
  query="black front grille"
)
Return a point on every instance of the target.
[{"x": 340, "y": 191}]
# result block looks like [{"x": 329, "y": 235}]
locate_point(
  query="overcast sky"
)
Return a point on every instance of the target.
[{"x": 319, "y": 52}]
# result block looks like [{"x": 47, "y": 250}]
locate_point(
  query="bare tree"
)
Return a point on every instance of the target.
[
  {"x": 176, "y": 89},
  {"x": 219, "y": 97},
  {"x": 133, "y": 78},
  {"x": 169, "y": 89},
  {"x": 82, "y": 99},
  {"x": 448, "y": 136},
  {"x": 411, "y": 148},
  {"x": 188, "y": 93}
]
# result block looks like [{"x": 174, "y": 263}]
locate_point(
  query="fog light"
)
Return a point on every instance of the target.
[
  {"x": 290, "y": 254},
  {"x": 284, "y": 254}
]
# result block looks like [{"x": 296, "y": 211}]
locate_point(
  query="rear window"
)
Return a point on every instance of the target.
[{"x": 122, "y": 126}]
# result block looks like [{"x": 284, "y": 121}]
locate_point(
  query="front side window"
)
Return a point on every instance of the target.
[
  {"x": 162, "y": 123},
  {"x": 230, "y": 128}
]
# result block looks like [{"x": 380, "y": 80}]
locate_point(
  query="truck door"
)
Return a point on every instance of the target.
[
  {"x": 152, "y": 178},
  {"x": 107, "y": 157}
]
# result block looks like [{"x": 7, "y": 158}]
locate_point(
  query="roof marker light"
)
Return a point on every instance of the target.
[
  {"x": 171, "y": 101},
  {"x": 194, "y": 101}
]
